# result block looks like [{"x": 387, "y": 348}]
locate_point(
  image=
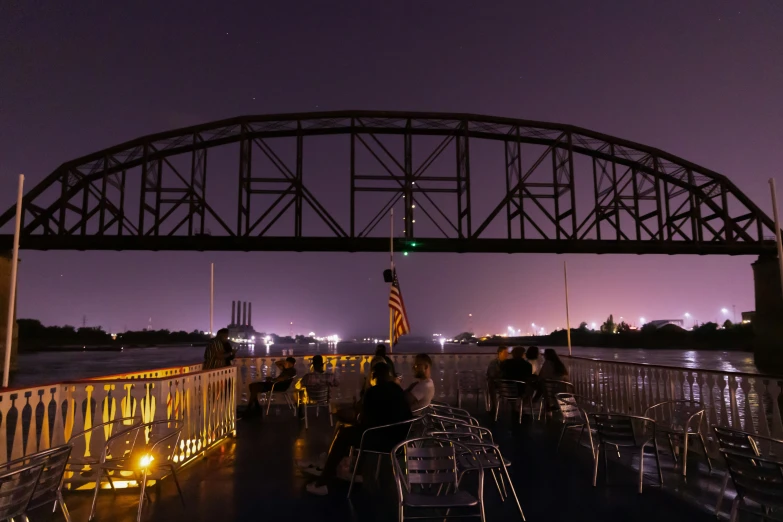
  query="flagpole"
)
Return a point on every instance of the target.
[
  {"x": 391, "y": 263},
  {"x": 568, "y": 318},
  {"x": 211, "y": 296},
  {"x": 9, "y": 332},
  {"x": 777, "y": 228}
]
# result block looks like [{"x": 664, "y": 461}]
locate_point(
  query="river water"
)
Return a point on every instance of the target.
[{"x": 50, "y": 367}]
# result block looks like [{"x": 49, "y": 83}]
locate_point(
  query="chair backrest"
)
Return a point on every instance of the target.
[
  {"x": 468, "y": 381},
  {"x": 756, "y": 478},
  {"x": 623, "y": 430},
  {"x": 17, "y": 487},
  {"x": 162, "y": 440},
  {"x": 552, "y": 387},
  {"x": 735, "y": 441},
  {"x": 317, "y": 394},
  {"x": 506, "y": 389},
  {"x": 427, "y": 461},
  {"x": 281, "y": 386},
  {"x": 569, "y": 407},
  {"x": 51, "y": 479},
  {"x": 98, "y": 435},
  {"x": 677, "y": 414}
]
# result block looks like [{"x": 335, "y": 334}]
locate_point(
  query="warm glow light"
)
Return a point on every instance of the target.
[{"x": 145, "y": 461}]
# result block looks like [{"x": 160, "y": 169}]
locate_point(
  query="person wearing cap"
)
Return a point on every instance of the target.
[
  {"x": 280, "y": 383},
  {"x": 318, "y": 376}
]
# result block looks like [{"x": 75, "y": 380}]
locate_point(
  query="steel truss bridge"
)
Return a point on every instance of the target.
[{"x": 459, "y": 183}]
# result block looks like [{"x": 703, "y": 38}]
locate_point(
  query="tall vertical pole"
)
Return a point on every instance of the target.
[
  {"x": 777, "y": 228},
  {"x": 9, "y": 331},
  {"x": 568, "y": 318},
  {"x": 212, "y": 296},
  {"x": 391, "y": 264}
]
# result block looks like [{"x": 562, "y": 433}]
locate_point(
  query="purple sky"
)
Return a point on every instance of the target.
[{"x": 701, "y": 79}]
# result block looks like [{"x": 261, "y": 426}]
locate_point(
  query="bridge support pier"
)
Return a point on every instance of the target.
[
  {"x": 5, "y": 291},
  {"x": 768, "y": 322}
]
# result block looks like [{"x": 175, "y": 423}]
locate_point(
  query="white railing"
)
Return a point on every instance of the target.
[
  {"x": 351, "y": 370},
  {"x": 743, "y": 401},
  {"x": 748, "y": 402},
  {"x": 40, "y": 417},
  {"x": 37, "y": 418}
]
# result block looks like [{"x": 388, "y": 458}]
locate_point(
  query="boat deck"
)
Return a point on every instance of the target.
[{"x": 253, "y": 477}]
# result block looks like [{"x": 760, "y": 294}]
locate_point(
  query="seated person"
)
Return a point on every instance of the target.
[
  {"x": 517, "y": 368},
  {"x": 379, "y": 357},
  {"x": 553, "y": 368},
  {"x": 318, "y": 376},
  {"x": 533, "y": 356},
  {"x": 494, "y": 372},
  {"x": 383, "y": 404},
  {"x": 285, "y": 377},
  {"x": 421, "y": 392}
]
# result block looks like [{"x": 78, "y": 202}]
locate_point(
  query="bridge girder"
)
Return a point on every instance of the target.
[{"x": 567, "y": 189}]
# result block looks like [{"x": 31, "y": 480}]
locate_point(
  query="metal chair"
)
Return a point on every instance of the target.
[
  {"x": 549, "y": 388},
  {"x": 379, "y": 453},
  {"x": 17, "y": 487},
  {"x": 574, "y": 410},
  {"x": 146, "y": 452},
  {"x": 427, "y": 477},
  {"x": 315, "y": 396},
  {"x": 507, "y": 391},
  {"x": 756, "y": 479},
  {"x": 89, "y": 448},
  {"x": 682, "y": 419},
  {"x": 50, "y": 483},
  {"x": 486, "y": 453},
  {"x": 278, "y": 388},
  {"x": 744, "y": 443},
  {"x": 625, "y": 431},
  {"x": 468, "y": 383}
]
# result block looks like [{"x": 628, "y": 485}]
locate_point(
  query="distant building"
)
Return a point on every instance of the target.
[
  {"x": 748, "y": 317},
  {"x": 658, "y": 323},
  {"x": 241, "y": 328}
]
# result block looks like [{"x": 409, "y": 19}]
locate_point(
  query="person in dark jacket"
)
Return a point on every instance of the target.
[
  {"x": 384, "y": 403},
  {"x": 517, "y": 368},
  {"x": 218, "y": 352}
]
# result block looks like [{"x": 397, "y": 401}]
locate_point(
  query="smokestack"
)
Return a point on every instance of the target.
[
  {"x": 233, "y": 312},
  {"x": 250, "y": 314},
  {"x": 244, "y": 313}
]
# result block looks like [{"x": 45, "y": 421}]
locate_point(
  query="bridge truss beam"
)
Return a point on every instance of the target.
[{"x": 560, "y": 189}]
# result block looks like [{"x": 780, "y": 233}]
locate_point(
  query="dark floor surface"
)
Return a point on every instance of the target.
[{"x": 253, "y": 477}]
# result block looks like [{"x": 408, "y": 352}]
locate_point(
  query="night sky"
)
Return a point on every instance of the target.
[{"x": 701, "y": 79}]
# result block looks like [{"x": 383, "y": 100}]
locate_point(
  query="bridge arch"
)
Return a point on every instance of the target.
[{"x": 563, "y": 189}]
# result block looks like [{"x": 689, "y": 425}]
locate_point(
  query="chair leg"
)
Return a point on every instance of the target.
[
  {"x": 176, "y": 483},
  {"x": 685, "y": 454},
  {"x": 641, "y": 469},
  {"x": 560, "y": 440},
  {"x": 353, "y": 473},
  {"x": 63, "y": 507},
  {"x": 513, "y": 491},
  {"x": 595, "y": 465},
  {"x": 95, "y": 495},
  {"x": 141, "y": 495},
  {"x": 497, "y": 484},
  {"x": 590, "y": 438},
  {"x": 521, "y": 409},
  {"x": 307, "y": 426},
  {"x": 735, "y": 509},
  {"x": 719, "y": 502},
  {"x": 673, "y": 448},
  {"x": 704, "y": 448},
  {"x": 658, "y": 462}
]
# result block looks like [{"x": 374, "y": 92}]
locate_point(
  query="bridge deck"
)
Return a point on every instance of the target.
[{"x": 253, "y": 477}]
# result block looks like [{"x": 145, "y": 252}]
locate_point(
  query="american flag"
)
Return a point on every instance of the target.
[{"x": 399, "y": 318}]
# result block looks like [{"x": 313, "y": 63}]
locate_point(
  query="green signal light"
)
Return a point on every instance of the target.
[
  {"x": 405, "y": 253},
  {"x": 413, "y": 244}
]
